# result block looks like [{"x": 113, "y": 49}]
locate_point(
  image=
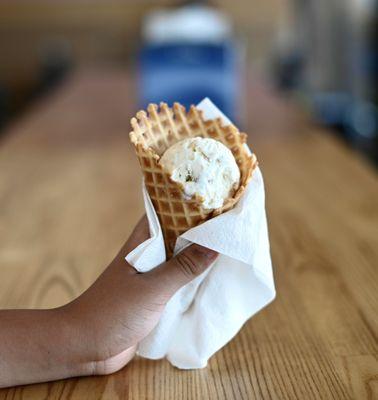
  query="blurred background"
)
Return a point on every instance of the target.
[{"x": 321, "y": 53}]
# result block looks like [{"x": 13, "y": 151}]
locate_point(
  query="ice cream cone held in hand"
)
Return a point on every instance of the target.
[{"x": 194, "y": 169}]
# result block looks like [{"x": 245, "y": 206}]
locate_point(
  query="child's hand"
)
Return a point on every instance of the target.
[
  {"x": 123, "y": 306},
  {"x": 98, "y": 332}
]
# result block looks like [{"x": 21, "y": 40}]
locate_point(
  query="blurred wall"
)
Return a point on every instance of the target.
[{"x": 86, "y": 31}]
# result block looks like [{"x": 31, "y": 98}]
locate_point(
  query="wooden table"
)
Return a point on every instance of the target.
[{"x": 70, "y": 195}]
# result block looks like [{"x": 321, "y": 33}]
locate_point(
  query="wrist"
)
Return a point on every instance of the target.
[{"x": 77, "y": 342}]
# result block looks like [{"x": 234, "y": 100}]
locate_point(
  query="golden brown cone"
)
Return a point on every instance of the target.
[{"x": 153, "y": 133}]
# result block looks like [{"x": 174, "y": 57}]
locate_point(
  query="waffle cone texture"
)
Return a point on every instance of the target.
[{"x": 157, "y": 130}]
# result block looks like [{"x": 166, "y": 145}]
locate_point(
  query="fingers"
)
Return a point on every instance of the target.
[
  {"x": 114, "y": 363},
  {"x": 140, "y": 233},
  {"x": 183, "y": 268}
]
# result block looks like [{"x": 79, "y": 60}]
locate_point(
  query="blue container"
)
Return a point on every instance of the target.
[{"x": 189, "y": 72}]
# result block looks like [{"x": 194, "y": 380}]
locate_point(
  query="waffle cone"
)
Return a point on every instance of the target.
[{"x": 153, "y": 133}]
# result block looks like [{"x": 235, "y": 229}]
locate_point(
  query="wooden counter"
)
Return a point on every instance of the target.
[{"x": 70, "y": 195}]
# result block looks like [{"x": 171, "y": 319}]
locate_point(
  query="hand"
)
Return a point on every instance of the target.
[
  {"x": 123, "y": 306},
  {"x": 98, "y": 332}
]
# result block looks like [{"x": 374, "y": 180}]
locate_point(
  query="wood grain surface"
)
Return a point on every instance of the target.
[{"x": 70, "y": 195}]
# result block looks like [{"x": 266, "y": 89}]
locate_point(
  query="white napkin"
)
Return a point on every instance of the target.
[{"x": 208, "y": 312}]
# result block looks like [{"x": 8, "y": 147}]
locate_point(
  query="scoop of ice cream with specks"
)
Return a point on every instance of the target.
[{"x": 203, "y": 166}]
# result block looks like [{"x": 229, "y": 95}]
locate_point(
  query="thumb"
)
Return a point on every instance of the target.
[{"x": 183, "y": 268}]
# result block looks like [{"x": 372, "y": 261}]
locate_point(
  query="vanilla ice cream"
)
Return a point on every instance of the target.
[{"x": 203, "y": 166}]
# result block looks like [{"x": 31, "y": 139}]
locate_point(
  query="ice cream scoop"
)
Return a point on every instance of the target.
[{"x": 204, "y": 167}]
